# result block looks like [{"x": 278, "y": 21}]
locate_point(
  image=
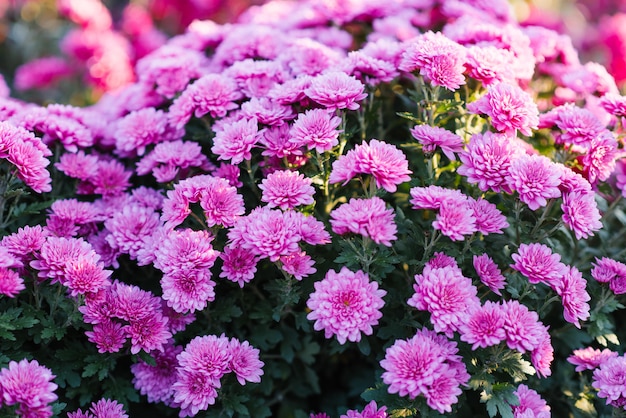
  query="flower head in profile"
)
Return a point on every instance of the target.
[
  {"x": 489, "y": 273},
  {"x": 572, "y": 288},
  {"x": 433, "y": 137},
  {"x": 590, "y": 358},
  {"x": 581, "y": 214},
  {"x": 346, "y": 304}
]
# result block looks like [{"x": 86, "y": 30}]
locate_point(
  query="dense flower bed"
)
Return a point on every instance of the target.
[{"x": 354, "y": 209}]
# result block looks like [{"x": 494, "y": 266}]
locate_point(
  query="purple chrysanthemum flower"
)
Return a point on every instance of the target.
[
  {"x": 530, "y": 404},
  {"x": 316, "y": 129},
  {"x": 590, "y": 358},
  {"x": 28, "y": 384},
  {"x": 432, "y": 137},
  {"x": 572, "y": 288},
  {"x": 235, "y": 140},
  {"x": 239, "y": 264},
  {"x": 581, "y": 214},
  {"x": 535, "y": 178},
  {"x": 484, "y": 326},
  {"x": 610, "y": 380},
  {"x": 244, "y": 362},
  {"x": 367, "y": 217},
  {"x": 489, "y": 273},
  {"x": 287, "y": 189},
  {"x": 346, "y": 304}
]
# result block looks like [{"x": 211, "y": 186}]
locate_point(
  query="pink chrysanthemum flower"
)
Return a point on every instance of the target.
[
  {"x": 185, "y": 257},
  {"x": 108, "y": 336},
  {"x": 209, "y": 354},
  {"x": 441, "y": 61},
  {"x": 278, "y": 142},
  {"x": 235, "y": 140},
  {"x": 291, "y": 91},
  {"x": 487, "y": 159},
  {"x": 455, "y": 219},
  {"x": 610, "y": 380},
  {"x": 316, "y": 129},
  {"x": 70, "y": 217},
  {"x": 10, "y": 282},
  {"x": 213, "y": 94},
  {"x": 489, "y": 220},
  {"x": 427, "y": 365},
  {"x": 590, "y": 358},
  {"x": 345, "y": 304},
  {"x": 542, "y": 356},
  {"x": 484, "y": 327},
  {"x": 108, "y": 408},
  {"x": 530, "y": 404},
  {"x": 599, "y": 161},
  {"x": 572, "y": 288},
  {"x": 370, "y": 411},
  {"x": 524, "y": 331},
  {"x": 370, "y": 70},
  {"x": 110, "y": 179},
  {"x": 509, "y": 107},
  {"x": 266, "y": 111},
  {"x": 441, "y": 260},
  {"x": 221, "y": 203},
  {"x": 130, "y": 227},
  {"x": 244, "y": 362},
  {"x": 336, "y": 90},
  {"x": 239, "y": 265},
  {"x": 535, "y": 178},
  {"x": 446, "y": 294},
  {"x": 578, "y": 126},
  {"x": 173, "y": 159},
  {"x": 432, "y": 197},
  {"x": 432, "y": 137},
  {"x": 135, "y": 131},
  {"x": 607, "y": 270},
  {"x": 256, "y": 78},
  {"x": 267, "y": 233},
  {"x": 148, "y": 333},
  {"x": 308, "y": 56},
  {"x": 298, "y": 264},
  {"x": 581, "y": 214},
  {"x": 538, "y": 263},
  {"x": 367, "y": 217},
  {"x": 229, "y": 172},
  {"x": 78, "y": 165},
  {"x": 386, "y": 163},
  {"x": 311, "y": 230},
  {"x": 28, "y": 384},
  {"x": 287, "y": 189},
  {"x": 490, "y": 64},
  {"x": 156, "y": 381},
  {"x": 194, "y": 391},
  {"x": 615, "y": 104},
  {"x": 489, "y": 273}
]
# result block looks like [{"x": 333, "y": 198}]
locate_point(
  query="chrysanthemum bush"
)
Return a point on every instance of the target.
[{"x": 362, "y": 209}]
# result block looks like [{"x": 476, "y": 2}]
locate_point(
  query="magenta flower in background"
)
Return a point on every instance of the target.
[
  {"x": 530, "y": 404},
  {"x": 286, "y": 190},
  {"x": 316, "y": 129},
  {"x": 432, "y": 137},
  {"x": 509, "y": 107},
  {"x": 447, "y": 295},
  {"x": 366, "y": 217},
  {"x": 610, "y": 380},
  {"x": 156, "y": 381},
  {"x": 30, "y": 385},
  {"x": 487, "y": 159},
  {"x": 11, "y": 283},
  {"x": 590, "y": 358},
  {"x": 427, "y": 365},
  {"x": 336, "y": 90},
  {"x": 439, "y": 59},
  {"x": 42, "y": 73},
  {"x": 345, "y": 304},
  {"x": 535, "y": 178},
  {"x": 213, "y": 94},
  {"x": 538, "y": 263},
  {"x": 135, "y": 131},
  {"x": 489, "y": 273}
]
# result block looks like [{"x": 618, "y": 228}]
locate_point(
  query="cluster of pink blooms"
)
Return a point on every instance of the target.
[
  {"x": 371, "y": 410},
  {"x": 451, "y": 299},
  {"x": 270, "y": 96},
  {"x": 28, "y": 385},
  {"x": 609, "y": 373},
  {"x": 189, "y": 378}
]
